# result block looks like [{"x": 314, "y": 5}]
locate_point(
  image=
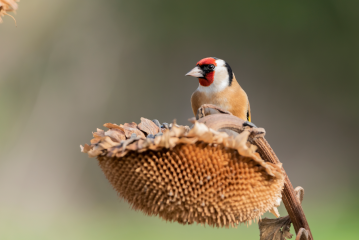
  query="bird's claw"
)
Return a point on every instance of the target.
[{"x": 249, "y": 124}]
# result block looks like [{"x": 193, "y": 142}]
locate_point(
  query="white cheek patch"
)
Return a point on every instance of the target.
[
  {"x": 220, "y": 63},
  {"x": 221, "y": 78}
]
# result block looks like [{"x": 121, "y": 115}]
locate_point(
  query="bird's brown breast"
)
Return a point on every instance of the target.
[{"x": 233, "y": 99}]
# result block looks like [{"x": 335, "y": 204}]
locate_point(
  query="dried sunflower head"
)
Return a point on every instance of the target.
[
  {"x": 187, "y": 175},
  {"x": 7, "y": 6}
]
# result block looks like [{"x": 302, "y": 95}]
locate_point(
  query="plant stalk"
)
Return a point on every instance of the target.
[{"x": 291, "y": 203}]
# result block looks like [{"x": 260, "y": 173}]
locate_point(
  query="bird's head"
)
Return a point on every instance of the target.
[{"x": 212, "y": 72}]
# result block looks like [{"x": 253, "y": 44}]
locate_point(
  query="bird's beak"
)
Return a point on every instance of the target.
[{"x": 196, "y": 72}]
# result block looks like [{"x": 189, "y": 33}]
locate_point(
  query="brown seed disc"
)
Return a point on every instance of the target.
[{"x": 201, "y": 182}]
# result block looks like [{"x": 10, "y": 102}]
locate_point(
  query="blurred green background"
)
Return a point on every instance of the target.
[{"x": 71, "y": 66}]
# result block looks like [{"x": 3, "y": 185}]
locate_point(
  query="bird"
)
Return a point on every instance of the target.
[{"x": 219, "y": 86}]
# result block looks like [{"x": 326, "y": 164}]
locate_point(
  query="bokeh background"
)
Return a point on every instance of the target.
[{"x": 71, "y": 66}]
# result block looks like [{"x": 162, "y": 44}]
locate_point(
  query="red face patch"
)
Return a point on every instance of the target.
[
  {"x": 209, "y": 77},
  {"x": 207, "y": 61},
  {"x": 207, "y": 80}
]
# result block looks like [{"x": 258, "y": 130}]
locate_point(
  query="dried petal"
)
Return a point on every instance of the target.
[
  {"x": 107, "y": 143},
  {"x": 112, "y": 125},
  {"x": 116, "y": 134},
  {"x": 99, "y": 133},
  {"x": 7, "y": 6},
  {"x": 131, "y": 128},
  {"x": 86, "y": 148},
  {"x": 131, "y": 125},
  {"x": 275, "y": 212},
  {"x": 95, "y": 140},
  {"x": 177, "y": 131},
  {"x": 148, "y": 126}
]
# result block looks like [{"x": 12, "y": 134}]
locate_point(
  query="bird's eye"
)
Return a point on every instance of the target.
[{"x": 211, "y": 66}]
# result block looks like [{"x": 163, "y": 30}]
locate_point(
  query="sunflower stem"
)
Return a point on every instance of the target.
[{"x": 291, "y": 203}]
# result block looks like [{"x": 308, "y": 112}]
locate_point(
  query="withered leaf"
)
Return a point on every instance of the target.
[
  {"x": 275, "y": 229},
  {"x": 148, "y": 126},
  {"x": 208, "y": 109},
  {"x": 299, "y": 193},
  {"x": 286, "y": 232},
  {"x": 302, "y": 234},
  {"x": 7, "y": 6}
]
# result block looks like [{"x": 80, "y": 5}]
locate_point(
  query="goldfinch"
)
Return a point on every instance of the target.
[{"x": 218, "y": 86}]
